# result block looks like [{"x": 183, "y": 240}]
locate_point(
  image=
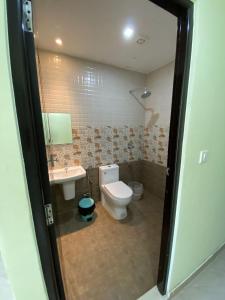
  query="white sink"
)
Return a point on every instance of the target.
[
  {"x": 67, "y": 177},
  {"x": 66, "y": 174}
]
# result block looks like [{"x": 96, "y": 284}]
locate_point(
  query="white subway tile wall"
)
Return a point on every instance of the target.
[
  {"x": 107, "y": 123},
  {"x": 95, "y": 94}
]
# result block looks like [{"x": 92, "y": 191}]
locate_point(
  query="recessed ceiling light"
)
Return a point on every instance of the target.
[
  {"x": 128, "y": 33},
  {"x": 58, "y": 41}
]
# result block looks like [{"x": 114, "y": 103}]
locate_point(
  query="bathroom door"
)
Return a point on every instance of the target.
[{"x": 26, "y": 91}]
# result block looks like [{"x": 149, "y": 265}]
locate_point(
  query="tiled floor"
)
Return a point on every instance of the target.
[
  {"x": 209, "y": 284},
  {"x": 111, "y": 260}
]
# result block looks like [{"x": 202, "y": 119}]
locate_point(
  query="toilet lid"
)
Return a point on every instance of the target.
[{"x": 119, "y": 190}]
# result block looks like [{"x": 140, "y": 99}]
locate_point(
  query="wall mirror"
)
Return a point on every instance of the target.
[{"x": 57, "y": 128}]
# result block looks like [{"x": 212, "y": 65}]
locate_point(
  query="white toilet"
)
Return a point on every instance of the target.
[{"x": 115, "y": 194}]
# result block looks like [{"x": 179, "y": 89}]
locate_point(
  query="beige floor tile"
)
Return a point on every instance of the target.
[{"x": 108, "y": 259}]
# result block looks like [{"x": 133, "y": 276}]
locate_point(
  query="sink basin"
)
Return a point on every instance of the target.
[
  {"x": 67, "y": 177},
  {"x": 66, "y": 174}
]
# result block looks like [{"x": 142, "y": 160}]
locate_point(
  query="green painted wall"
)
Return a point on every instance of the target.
[
  {"x": 17, "y": 238},
  {"x": 200, "y": 224}
]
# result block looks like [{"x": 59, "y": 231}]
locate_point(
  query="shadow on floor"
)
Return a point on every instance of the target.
[{"x": 70, "y": 222}]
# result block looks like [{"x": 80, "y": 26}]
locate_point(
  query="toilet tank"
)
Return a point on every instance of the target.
[{"x": 108, "y": 174}]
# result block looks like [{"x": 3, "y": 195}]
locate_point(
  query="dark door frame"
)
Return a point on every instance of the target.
[
  {"x": 26, "y": 91},
  {"x": 183, "y": 10}
]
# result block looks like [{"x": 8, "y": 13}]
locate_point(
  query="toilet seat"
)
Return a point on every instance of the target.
[{"x": 118, "y": 190}]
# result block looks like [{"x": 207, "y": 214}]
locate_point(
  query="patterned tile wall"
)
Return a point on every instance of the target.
[
  {"x": 97, "y": 146},
  {"x": 93, "y": 147},
  {"x": 155, "y": 144}
]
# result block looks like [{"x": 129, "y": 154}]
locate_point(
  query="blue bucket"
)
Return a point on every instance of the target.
[{"x": 86, "y": 208}]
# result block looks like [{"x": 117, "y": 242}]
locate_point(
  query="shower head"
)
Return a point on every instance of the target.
[
  {"x": 140, "y": 94},
  {"x": 146, "y": 94}
]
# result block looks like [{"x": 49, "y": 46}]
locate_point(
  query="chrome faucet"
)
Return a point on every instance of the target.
[{"x": 52, "y": 159}]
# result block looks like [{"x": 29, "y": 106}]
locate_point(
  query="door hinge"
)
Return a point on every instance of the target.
[
  {"x": 27, "y": 16},
  {"x": 49, "y": 214}
]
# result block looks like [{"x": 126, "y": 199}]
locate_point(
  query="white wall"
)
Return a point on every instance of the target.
[
  {"x": 160, "y": 83},
  {"x": 96, "y": 94},
  {"x": 157, "y": 114}
]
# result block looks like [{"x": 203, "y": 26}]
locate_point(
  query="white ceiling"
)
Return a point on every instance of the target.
[{"x": 93, "y": 30}]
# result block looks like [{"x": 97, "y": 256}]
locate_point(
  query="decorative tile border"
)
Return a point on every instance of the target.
[
  {"x": 93, "y": 147},
  {"x": 156, "y": 144}
]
